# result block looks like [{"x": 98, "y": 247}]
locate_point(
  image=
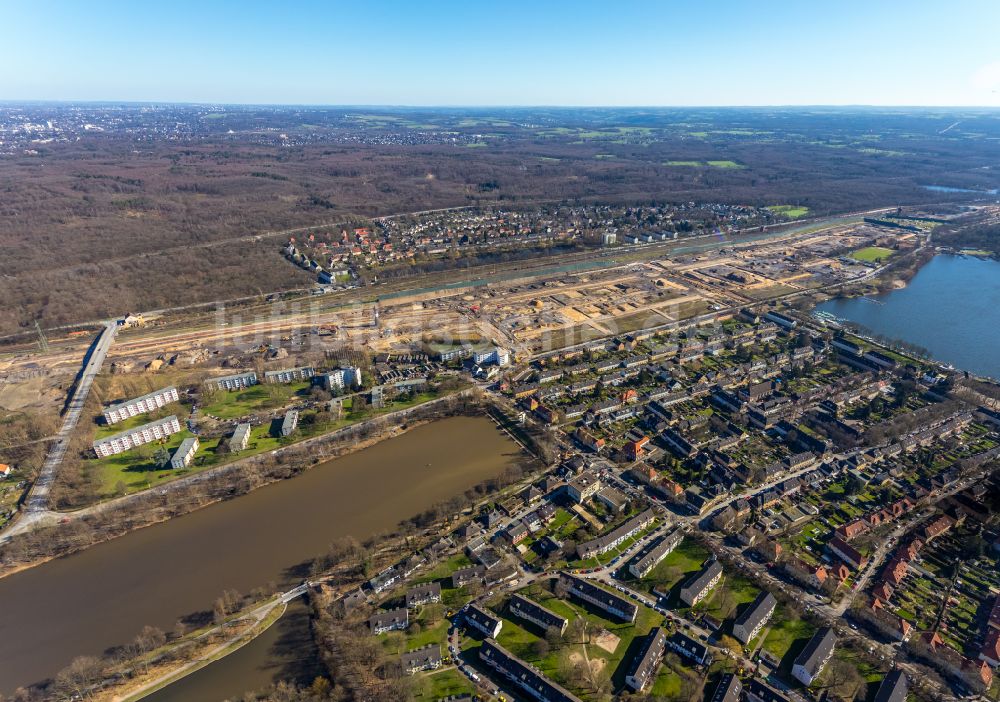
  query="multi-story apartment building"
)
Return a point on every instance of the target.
[
  {"x": 289, "y": 375},
  {"x": 234, "y": 382},
  {"x": 123, "y": 441},
  {"x": 140, "y": 405},
  {"x": 185, "y": 453},
  {"x": 240, "y": 438}
]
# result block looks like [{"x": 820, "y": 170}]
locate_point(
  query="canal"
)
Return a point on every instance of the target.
[{"x": 101, "y": 597}]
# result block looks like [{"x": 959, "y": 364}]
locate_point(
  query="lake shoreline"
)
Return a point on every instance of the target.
[{"x": 947, "y": 312}]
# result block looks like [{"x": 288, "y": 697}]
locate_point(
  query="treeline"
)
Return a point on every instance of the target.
[
  {"x": 101, "y": 229},
  {"x": 983, "y": 237}
]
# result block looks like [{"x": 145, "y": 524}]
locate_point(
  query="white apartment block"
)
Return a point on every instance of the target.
[
  {"x": 496, "y": 355},
  {"x": 289, "y": 375},
  {"x": 341, "y": 378},
  {"x": 126, "y": 440},
  {"x": 140, "y": 405},
  {"x": 241, "y": 437},
  {"x": 185, "y": 453},
  {"x": 234, "y": 382}
]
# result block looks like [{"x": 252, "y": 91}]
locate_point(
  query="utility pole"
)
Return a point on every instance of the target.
[{"x": 43, "y": 343}]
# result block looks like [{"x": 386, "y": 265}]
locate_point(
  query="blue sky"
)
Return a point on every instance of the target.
[{"x": 666, "y": 52}]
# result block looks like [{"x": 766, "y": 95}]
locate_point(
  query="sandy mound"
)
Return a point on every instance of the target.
[{"x": 607, "y": 641}]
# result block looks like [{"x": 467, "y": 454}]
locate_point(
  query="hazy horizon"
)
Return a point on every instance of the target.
[{"x": 684, "y": 54}]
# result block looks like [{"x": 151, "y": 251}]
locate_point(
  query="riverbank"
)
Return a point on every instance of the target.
[
  {"x": 268, "y": 540},
  {"x": 262, "y": 618},
  {"x": 67, "y": 533}
]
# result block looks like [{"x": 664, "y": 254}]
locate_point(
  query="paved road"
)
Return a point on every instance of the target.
[{"x": 37, "y": 505}]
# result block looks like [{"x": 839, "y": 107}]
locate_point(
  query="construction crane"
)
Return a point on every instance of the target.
[{"x": 43, "y": 343}]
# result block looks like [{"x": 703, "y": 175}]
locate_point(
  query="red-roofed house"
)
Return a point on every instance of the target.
[
  {"x": 851, "y": 530},
  {"x": 847, "y": 553}
]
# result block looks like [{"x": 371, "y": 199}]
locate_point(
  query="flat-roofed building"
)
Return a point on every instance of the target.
[
  {"x": 123, "y": 441},
  {"x": 641, "y": 567},
  {"x": 698, "y": 585},
  {"x": 535, "y": 613},
  {"x": 289, "y": 375},
  {"x": 140, "y": 405},
  {"x": 527, "y": 678},
  {"x": 605, "y": 600},
  {"x": 341, "y": 378},
  {"x": 645, "y": 665},
  {"x": 240, "y": 438},
  {"x": 614, "y": 500},
  {"x": 583, "y": 487},
  {"x": 185, "y": 453},
  {"x": 234, "y": 382},
  {"x": 814, "y": 657},
  {"x": 290, "y": 422},
  {"x": 754, "y": 617}
]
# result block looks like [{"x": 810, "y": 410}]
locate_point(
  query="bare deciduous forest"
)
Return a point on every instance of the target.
[{"x": 131, "y": 220}]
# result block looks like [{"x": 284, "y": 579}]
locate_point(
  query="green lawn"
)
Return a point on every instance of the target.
[
  {"x": 519, "y": 639},
  {"x": 690, "y": 164},
  {"x": 259, "y": 398},
  {"x": 396, "y": 642},
  {"x": 438, "y": 684},
  {"x": 726, "y": 598},
  {"x": 726, "y": 164},
  {"x": 682, "y": 561},
  {"x": 444, "y": 569},
  {"x": 786, "y": 634},
  {"x": 136, "y": 469},
  {"x": 667, "y": 684},
  {"x": 871, "y": 254},
  {"x": 790, "y": 211}
]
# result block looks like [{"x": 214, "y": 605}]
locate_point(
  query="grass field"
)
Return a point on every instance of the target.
[
  {"x": 726, "y": 598},
  {"x": 790, "y": 211},
  {"x": 871, "y": 254},
  {"x": 787, "y": 634},
  {"x": 440, "y": 684},
  {"x": 726, "y": 164},
  {"x": 241, "y": 403},
  {"x": 706, "y": 164},
  {"x": 682, "y": 561},
  {"x": 519, "y": 639}
]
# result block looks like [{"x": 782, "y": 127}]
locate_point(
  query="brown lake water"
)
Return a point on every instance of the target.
[{"x": 101, "y": 597}]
